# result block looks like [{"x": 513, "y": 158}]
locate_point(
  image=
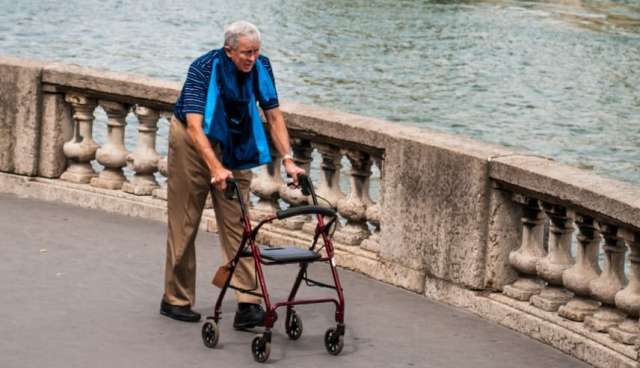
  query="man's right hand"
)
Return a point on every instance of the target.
[{"x": 219, "y": 178}]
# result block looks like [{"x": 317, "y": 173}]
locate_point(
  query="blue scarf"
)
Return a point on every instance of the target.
[{"x": 231, "y": 116}]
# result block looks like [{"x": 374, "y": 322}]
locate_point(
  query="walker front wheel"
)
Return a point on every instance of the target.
[
  {"x": 261, "y": 349},
  {"x": 333, "y": 341},
  {"x": 293, "y": 326},
  {"x": 210, "y": 334}
]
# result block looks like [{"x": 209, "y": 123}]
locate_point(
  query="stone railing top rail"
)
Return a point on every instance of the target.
[
  {"x": 378, "y": 133},
  {"x": 614, "y": 200},
  {"x": 118, "y": 85},
  {"x": 553, "y": 181}
]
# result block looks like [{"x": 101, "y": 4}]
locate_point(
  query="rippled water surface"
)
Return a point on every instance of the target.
[{"x": 558, "y": 78}]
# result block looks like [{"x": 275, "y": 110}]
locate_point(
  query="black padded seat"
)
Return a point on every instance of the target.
[{"x": 285, "y": 254}]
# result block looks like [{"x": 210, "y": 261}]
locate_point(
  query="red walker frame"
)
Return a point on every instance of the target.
[{"x": 261, "y": 344}]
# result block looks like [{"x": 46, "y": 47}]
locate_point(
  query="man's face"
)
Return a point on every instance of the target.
[{"x": 245, "y": 54}]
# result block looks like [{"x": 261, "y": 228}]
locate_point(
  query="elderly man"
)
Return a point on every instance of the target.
[{"x": 216, "y": 133}]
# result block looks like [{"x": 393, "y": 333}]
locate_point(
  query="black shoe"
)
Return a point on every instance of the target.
[
  {"x": 180, "y": 313},
  {"x": 248, "y": 316}
]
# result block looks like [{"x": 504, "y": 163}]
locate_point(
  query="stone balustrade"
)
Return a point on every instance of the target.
[
  {"x": 273, "y": 192},
  {"x": 79, "y": 151},
  {"x": 554, "y": 280},
  {"x": 588, "y": 271},
  {"x": 537, "y": 246},
  {"x": 268, "y": 183}
]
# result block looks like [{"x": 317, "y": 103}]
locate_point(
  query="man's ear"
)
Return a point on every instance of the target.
[{"x": 227, "y": 50}]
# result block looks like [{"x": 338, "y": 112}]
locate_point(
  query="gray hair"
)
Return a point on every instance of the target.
[{"x": 238, "y": 29}]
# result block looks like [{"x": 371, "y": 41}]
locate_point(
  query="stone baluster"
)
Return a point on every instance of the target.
[
  {"x": 585, "y": 270},
  {"x": 558, "y": 259},
  {"x": 163, "y": 168},
  {"x": 628, "y": 299},
  {"x": 163, "y": 163},
  {"x": 144, "y": 160},
  {"x": 373, "y": 215},
  {"x": 302, "y": 157},
  {"x": 353, "y": 208},
  {"x": 610, "y": 281},
  {"x": 328, "y": 187},
  {"x": 266, "y": 185},
  {"x": 366, "y": 190},
  {"x": 112, "y": 155},
  {"x": 81, "y": 149},
  {"x": 525, "y": 258}
]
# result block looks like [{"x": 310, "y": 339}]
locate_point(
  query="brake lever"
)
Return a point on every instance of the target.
[
  {"x": 230, "y": 190},
  {"x": 304, "y": 189},
  {"x": 305, "y": 184}
]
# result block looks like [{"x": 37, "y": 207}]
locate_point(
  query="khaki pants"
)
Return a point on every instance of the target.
[{"x": 188, "y": 186}]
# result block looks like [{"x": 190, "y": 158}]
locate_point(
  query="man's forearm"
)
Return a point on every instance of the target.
[
  {"x": 278, "y": 131},
  {"x": 195, "y": 132},
  {"x": 280, "y": 136}
]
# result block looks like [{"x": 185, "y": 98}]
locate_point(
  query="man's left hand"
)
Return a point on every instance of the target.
[{"x": 293, "y": 170}]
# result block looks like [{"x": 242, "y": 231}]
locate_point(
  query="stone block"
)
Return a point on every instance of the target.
[
  {"x": 504, "y": 236},
  {"x": 161, "y": 193},
  {"x": 523, "y": 289},
  {"x": 551, "y": 299},
  {"x": 20, "y": 110},
  {"x": 436, "y": 207},
  {"x": 628, "y": 332},
  {"x": 578, "y": 309},
  {"x": 604, "y": 319},
  {"x": 57, "y": 128}
]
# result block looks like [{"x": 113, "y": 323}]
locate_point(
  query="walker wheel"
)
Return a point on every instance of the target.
[
  {"x": 210, "y": 334},
  {"x": 261, "y": 349},
  {"x": 333, "y": 341},
  {"x": 293, "y": 326}
]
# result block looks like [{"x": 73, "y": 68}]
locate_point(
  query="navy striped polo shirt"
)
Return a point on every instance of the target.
[{"x": 193, "y": 97}]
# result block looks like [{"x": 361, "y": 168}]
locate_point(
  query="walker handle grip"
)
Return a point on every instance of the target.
[
  {"x": 305, "y": 210},
  {"x": 231, "y": 188},
  {"x": 305, "y": 184}
]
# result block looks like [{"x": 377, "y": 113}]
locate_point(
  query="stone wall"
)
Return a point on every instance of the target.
[{"x": 453, "y": 218}]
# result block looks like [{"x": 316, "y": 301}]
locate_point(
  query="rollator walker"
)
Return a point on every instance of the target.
[{"x": 269, "y": 256}]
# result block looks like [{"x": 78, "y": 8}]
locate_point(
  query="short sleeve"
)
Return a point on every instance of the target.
[
  {"x": 267, "y": 94},
  {"x": 194, "y": 91}
]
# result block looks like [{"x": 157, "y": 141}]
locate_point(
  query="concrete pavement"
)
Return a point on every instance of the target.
[{"x": 82, "y": 288}]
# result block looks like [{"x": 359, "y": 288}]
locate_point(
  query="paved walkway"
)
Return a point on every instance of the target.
[{"x": 82, "y": 288}]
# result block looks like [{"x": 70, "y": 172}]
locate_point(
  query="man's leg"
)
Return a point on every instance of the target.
[
  {"x": 230, "y": 229},
  {"x": 187, "y": 189}
]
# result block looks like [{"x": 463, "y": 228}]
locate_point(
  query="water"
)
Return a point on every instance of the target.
[{"x": 558, "y": 78}]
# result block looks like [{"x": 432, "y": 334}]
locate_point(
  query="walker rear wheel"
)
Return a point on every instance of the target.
[
  {"x": 333, "y": 341},
  {"x": 293, "y": 326},
  {"x": 261, "y": 349},
  {"x": 210, "y": 334}
]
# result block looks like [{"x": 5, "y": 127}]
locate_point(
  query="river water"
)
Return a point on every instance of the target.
[{"x": 557, "y": 78}]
